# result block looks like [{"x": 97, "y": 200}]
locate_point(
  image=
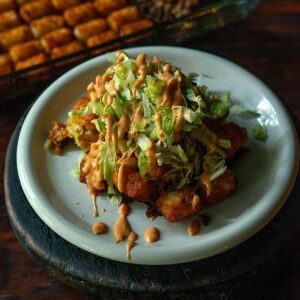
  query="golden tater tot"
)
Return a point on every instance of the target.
[
  {"x": 236, "y": 135},
  {"x": 90, "y": 28},
  {"x": 6, "y": 5},
  {"x": 102, "y": 38},
  {"x": 56, "y": 38},
  {"x": 61, "y": 5},
  {"x": 24, "y": 50},
  {"x": 105, "y": 7},
  {"x": 8, "y": 20},
  {"x": 32, "y": 61},
  {"x": 123, "y": 16},
  {"x": 135, "y": 186},
  {"x": 35, "y": 10},
  {"x": 80, "y": 14},
  {"x": 176, "y": 205},
  {"x": 135, "y": 26},
  {"x": 66, "y": 49},
  {"x": 6, "y": 65},
  {"x": 220, "y": 188},
  {"x": 15, "y": 36},
  {"x": 46, "y": 24}
]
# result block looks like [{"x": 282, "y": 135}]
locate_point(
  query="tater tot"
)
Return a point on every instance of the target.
[
  {"x": 6, "y": 65},
  {"x": 24, "y": 50},
  {"x": 15, "y": 36},
  {"x": 85, "y": 30},
  {"x": 102, "y": 38},
  {"x": 105, "y": 7},
  {"x": 236, "y": 135},
  {"x": 23, "y": 2},
  {"x": 56, "y": 38},
  {"x": 80, "y": 14},
  {"x": 61, "y": 5},
  {"x": 220, "y": 188},
  {"x": 135, "y": 26},
  {"x": 8, "y": 20},
  {"x": 66, "y": 49},
  {"x": 179, "y": 204},
  {"x": 32, "y": 61},
  {"x": 135, "y": 186},
  {"x": 123, "y": 16},
  {"x": 6, "y": 5},
  {"x": 35, "y": 10},
  {"x": 46, "y": 24}
]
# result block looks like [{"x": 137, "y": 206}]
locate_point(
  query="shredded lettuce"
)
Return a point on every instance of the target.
[
  {"x": 144, "y": 142},
  {"x": 153, "y": 89},
  {"x": 220, "y": 108},
  {"x": 108, "y": 163},
  {"x": 143, "y": 163},
  {"x": 242, "y": 112},
  {"x": 76, "y": 169},
  {"x": 260, "y": 132}
]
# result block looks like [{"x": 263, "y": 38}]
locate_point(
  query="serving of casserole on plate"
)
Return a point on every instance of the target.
[{"x": 266, "y": 172}]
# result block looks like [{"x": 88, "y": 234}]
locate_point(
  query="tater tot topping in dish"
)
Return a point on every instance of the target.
[{"x": 150, "y": 133}]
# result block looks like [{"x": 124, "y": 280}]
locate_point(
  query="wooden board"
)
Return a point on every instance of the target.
[{"x": 243, "y": 272}]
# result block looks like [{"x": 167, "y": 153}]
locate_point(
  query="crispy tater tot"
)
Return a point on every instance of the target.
[
  {"x": 220, "y": 188},
  {"x": 46, "y": 24},
  {"x": 123, "y": 16},
  {"x": 6, "y": 5},
  {"x": 135, "y": 186},
  {"x": 236, "y": 135},
  {"x": 15, "y": 36},
  {"x": 66, "y": 49},
  {"x": 24, "y": 50},
  {"x": 56, "y": 38},
  {"x": 178, "y": 204},
  {"x": 85, "y": 130},
  {"x": 105, "y": 7},
  {"x": 61, "y": 5},
  {"x": 82, "y": 102},
  {"x": 35, "y": 10},
  {"x": 6, "y": 65},
  {"x": 32, "y": 61},
  {"x": 8, "y": 20},
  {"x": 57, "y": 135},
  {"x": 80, "y": 14},
  {"x": 135, "y": 26},
  {"x": 23, "y": 2},
  {"x": 102, "y": 38},
  {"x": 88, "y": 29}
]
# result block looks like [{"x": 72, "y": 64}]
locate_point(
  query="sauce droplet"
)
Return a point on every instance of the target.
[
  {"x": 122, "y": 227},
  {"x": 151, "y": 235},
  {"x": 99, "y": 228},
  {"x": 131, "y": 243},
  {"x": 193, "y": 227}
]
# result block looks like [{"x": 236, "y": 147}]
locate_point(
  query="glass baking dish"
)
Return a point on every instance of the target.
[{"x": 208, "y": 16}]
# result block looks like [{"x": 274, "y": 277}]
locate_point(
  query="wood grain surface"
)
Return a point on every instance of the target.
[{"x": 268, "y": 45}]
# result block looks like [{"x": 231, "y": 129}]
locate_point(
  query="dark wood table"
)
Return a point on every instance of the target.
[{"x": 268, "y": 45}]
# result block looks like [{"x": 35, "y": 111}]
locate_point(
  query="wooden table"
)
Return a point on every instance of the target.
[{"x": 268, "y": 45}]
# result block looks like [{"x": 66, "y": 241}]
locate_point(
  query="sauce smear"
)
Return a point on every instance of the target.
[
  {"x": 122, "y": 227},
  {"x": 131, "y": 243}
]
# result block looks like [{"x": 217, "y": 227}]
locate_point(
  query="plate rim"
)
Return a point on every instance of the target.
[{"x": 42, "y": 101}]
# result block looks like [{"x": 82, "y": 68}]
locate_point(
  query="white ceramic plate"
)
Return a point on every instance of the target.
[{"x": 266, "y": 173}]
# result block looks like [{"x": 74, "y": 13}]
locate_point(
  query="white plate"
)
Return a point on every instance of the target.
[{"x": 266, "y": 173}]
